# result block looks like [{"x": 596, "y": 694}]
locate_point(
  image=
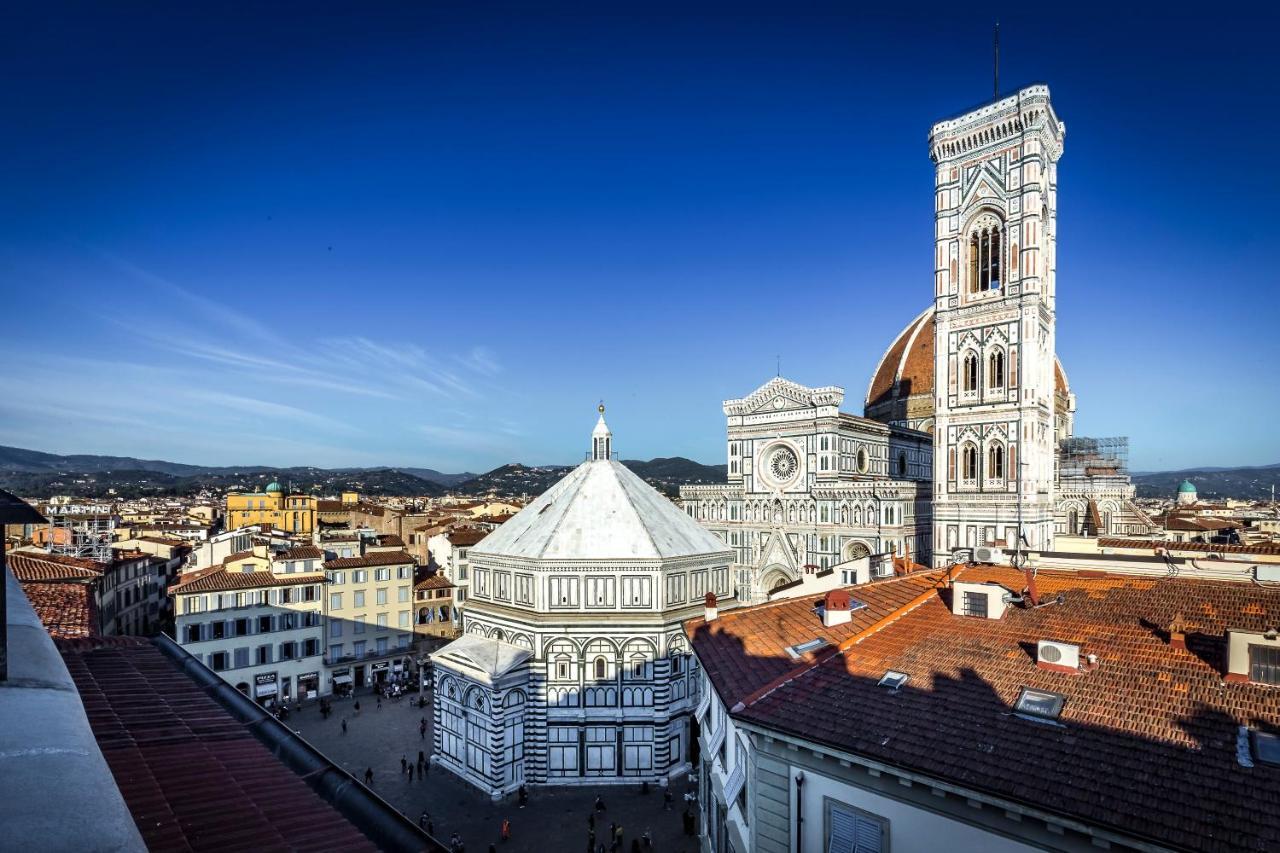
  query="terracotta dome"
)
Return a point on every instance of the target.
[{"x": 901, "y": 389}]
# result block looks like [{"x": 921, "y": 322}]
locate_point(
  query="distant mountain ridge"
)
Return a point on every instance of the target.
[
  {"x": 1252, "y": 482},
  {"x": 33, "y": 472}
]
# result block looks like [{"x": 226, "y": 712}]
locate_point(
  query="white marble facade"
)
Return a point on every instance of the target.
[
  {"x": 811, "y": 488},
  {"x": 573, "y": 668}
]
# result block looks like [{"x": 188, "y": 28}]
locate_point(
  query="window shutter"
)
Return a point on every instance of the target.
[
  {"x": 870, "y": 836},
  {"x": 844, "y": 832}
]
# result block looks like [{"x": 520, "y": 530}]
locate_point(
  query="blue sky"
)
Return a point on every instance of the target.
[{"x": 438, "y": 234}]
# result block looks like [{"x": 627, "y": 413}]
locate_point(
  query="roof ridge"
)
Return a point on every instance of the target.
[
  {"x": 559, "y": 519},
  {"x": 631, "y": 503},
  {"x": 847, "y": 643}
]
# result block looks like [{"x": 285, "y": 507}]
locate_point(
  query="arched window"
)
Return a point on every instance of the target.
[
  {"x": 984, "y": 258},
  {"x": 995, "y": 369},
  {"x": 969, "y": 462},
  {"x": 995, "y": 462},
  {"x": 971, "y": 372},
  {"x": 600, "y": 668}
]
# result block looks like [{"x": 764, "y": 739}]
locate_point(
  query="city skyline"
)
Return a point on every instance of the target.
[{"x": 429, "y": 239}]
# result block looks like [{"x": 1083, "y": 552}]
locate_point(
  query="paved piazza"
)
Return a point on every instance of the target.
[{"x": 554, "y": 820}]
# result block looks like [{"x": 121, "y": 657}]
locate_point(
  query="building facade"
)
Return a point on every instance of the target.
[
  {"x": 257, "y": 621},
  {"x": 369, "y": 626},
  {"x": 573, "y": 669},
  {"x": 810, "y": 487},
  {"x": 294, "y": 513}
]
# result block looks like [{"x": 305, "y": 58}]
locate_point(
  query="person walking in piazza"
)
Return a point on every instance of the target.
[
  {"x": 357, "y": 707},
  {"x": 506, "y": 830},
  {"x": 368, "y": 776},
  {"x": 404, "y": 765},
  {"x": 410, "y": 772},
  {"x": 422, "y": 819},
  {"x": 344, "y": 725}
]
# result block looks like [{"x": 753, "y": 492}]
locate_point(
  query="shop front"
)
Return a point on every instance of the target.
[
  {"x": 342, "y": 681},
  {"x": 308, "y": 685},
  {"x": 266, "y": 688},
  {"x": 380, "y": 671}
]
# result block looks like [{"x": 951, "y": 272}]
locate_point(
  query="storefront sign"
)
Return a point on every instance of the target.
[
  {"x": 380, "y": 667},
  {"x": 266, "y": 678},
  {"x": 307, "y": 675}
]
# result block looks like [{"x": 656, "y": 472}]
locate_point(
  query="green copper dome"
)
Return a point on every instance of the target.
[
  {"x": 273, "y": 487},
  {"x": 1186, "y": 487}
]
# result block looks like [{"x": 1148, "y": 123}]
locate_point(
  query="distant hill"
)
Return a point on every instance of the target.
[
  {"x": 666, "y": 474},
  {"x": 35, "y": 473},
  {"x": 439, "y": 477},
  {"x": 1248, "y": 483}
]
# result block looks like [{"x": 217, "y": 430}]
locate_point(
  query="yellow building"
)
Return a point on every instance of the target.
[{"x": 295, "y": 513}]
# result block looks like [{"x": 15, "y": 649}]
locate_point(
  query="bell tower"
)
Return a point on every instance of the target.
[{"x": 995, "y": 234}]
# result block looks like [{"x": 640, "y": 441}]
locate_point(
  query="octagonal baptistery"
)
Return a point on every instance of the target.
[{"x": 572, "y": 668}]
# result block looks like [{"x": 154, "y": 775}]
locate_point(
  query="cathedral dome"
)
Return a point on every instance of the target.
[
  {"x": 272, "y": 488},
  {"x": 1187, "y": 487},
  {"x": 901, "y": 389}
]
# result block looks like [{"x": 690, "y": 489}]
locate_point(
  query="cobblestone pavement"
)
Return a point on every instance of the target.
[{"x": 554, "y": 820}]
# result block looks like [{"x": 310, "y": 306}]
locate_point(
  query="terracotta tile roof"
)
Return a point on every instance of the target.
[
  {"x": 390, "y": 539},
  {"x": 241, "y": 555},
  {"x": 219, "y": 579},
  {"x": 1148, "y": 745},
  {"x": 164, "y": 540},
  {"x": 373, "y": 558},
  {"x": 65, "y": 609},
  {"x": 745, "y": 649},
  {"x": 436, "y": 581},
  {"x": 193, "y": 776},
  {"x": 302, "y": 552},
  {"x": 1169, "y": 544},
  {"x": 466, "y": 536},
  {"x": 29, "y": 566},
  {"x": 330, "y": 506}
]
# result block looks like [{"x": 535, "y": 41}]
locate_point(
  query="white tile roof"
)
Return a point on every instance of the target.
[{"x": 600, "y": 511}]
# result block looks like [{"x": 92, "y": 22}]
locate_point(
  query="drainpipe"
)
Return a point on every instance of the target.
[{"x": 800, "y": 812}]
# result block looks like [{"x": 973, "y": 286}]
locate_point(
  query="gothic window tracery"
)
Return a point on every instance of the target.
[
  {"x": 970, "y": 378},
  {"x": 995, "y": 462},
  {"x": 995, "y": 369},
  {"x": 984, "y": 255},
  {"x": 969, "y": 462}
]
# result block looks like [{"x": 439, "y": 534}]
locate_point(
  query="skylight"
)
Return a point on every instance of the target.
[
  {"x": 1266, "y": 747},
  {"x": 802, "y": 649},
  {"x": 1039, "y": 704},
  {"x": 894, "y": 679}
]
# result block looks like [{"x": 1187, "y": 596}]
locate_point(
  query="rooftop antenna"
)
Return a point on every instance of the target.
[{"x": 996, "y": 67}]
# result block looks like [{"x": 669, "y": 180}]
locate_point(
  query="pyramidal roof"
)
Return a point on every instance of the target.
[{"x": 600, "y": 511}]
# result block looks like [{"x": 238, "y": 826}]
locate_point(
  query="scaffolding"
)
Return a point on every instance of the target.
[
  {"x": 1093, "y": 457},
  {"x": 81, "y": 530}
]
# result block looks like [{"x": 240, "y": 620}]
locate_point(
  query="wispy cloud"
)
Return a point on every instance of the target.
[{"x": 266, "y": 408}]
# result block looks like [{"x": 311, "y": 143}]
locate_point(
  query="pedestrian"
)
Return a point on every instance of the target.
[
  {"x": 613, "y": 830},
  {"x": 591, "y": 821},
  {"x": 524, "y": 795},
  {"x": 379, "y": 701},
  {"x": 666, "y": 800},
  {"x": 422, "y": 731},
  {"x": 617, "y": 833},
  {"x": 431, "y": 828},
  {"x": 422, "y": 757},
  {"x": 454, "y": 843},
  {"x": 591, "y": 841},
  {"x": 599, "y": 803},
  {"x": 357, "y": 707},
  {"x": 410, "y": 772},
  {"x": 404, "y": 765},
  {"x": 423, "y": 819},
  {"x": 368, "y": 776},
  {"x": 427, "y": 768},
  {"x": 506, "y": 830},
  {"x": 648, "y": 840},
  {"x": 344, "y": 725}
]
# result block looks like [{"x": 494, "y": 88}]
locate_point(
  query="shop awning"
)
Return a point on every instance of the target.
[
  {"x": 261, "y": 690},
  {"x": 342, "y": 679}
]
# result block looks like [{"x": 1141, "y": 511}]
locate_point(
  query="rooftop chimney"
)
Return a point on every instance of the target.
[
  {"x": 711, "y": 611},
  {"x": 1178, "y": 632},
  {"x": 835, "y": 608}
]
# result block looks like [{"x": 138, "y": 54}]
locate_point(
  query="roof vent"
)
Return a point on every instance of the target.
[
  {"x": 712, "y": 610},
  {"x": 1058, "y": 657},
  {"x": 835, "y": 608},
  {"x": 983, "y": 600}
]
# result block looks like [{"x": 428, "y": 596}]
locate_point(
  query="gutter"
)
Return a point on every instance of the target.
[{"x": 372, "y": 815}]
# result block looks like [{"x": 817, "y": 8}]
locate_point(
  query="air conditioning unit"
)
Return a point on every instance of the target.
[
  {"x": 991, "y": 556},
  {"x": 1056, "y": 655},
  {"x": 1266, "y": 573}
]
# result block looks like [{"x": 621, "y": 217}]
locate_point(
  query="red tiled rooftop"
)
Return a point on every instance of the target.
[
  {"x": 192, "y": 775},
  {"x": 373, "y": 558},
  {"x": 65, "y": 609},
  {"x": 1255, "y": 548},
  {"x": 219, "y": 579},
  {"x": 29, "y": 566},
  {"x": 302, "y": 552},
  {"x": 1148, "y": 741},
  {"x": 436, "y": 581}
]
